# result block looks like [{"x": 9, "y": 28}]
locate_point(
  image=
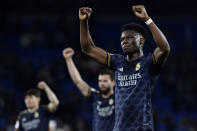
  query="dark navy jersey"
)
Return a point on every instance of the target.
[
  {"x": 134, "y": 86},
  {"x": 103, "y": 111},
  {"x": 37, "y": 121}
]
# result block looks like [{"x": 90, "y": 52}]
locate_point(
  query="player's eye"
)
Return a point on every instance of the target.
[{"x": 130, "y": 37}]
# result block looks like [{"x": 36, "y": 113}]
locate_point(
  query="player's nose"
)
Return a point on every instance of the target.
[{"x": 125, "y": 42}]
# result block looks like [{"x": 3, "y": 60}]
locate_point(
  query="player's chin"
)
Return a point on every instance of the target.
[
  {"x": 127, "y": 52},
  {"x": 29, "y": 105},
  {"x": 130, "y": 51},
  {"x": 103, "y": 89}
]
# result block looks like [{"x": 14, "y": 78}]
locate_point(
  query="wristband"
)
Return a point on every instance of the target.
[{"x": 149, "y": 21}]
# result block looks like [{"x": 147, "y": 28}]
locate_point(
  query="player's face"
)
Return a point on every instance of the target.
[
  {"x": 31, "y": 101},
  {"x": 130, "y": 42},
  {"x": 105, "y": 83}
]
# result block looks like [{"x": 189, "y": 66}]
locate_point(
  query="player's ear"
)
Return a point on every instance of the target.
[
  {"x": 38, "y": 98},
  {"x": 142, "y": 40},
  {"x": 113, "y": 83}
]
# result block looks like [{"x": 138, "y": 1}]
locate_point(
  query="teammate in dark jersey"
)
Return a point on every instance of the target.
[
  {"x": 103, "y": 100},
  {"x": 135, "y": 74},
  {"x": 36, "y": 118}
]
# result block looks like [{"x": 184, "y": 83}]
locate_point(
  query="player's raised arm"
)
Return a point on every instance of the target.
[
  {"x": 162, "y": 51},
  {"x": 74, "y": 73},
  {"x": 86, "y": 41},
  {"x": 54, "y": 102}
]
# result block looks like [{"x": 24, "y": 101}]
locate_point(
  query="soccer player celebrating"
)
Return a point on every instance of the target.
[
  {"x": 103, "y": 100},
  {"x": 36, "y": 117},
  {"x": 135, "y": 74}
]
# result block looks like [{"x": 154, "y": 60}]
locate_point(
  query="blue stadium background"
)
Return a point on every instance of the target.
[{"x": 33, "y": 34}]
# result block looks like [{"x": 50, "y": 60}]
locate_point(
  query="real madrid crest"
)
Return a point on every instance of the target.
[
  {"x": 36, "y": 114},
  {"x": 111, "y": 101},
  {"x": 137, "y": 68}
]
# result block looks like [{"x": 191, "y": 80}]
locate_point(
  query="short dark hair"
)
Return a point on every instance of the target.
[
  {"x": 136, "y": 27},
  {"x": 107, "y": 72},
  {"x": 34, "y": 92}
]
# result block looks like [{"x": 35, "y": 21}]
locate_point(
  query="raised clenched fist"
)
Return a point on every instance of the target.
[
  {"x": 42, "y": 85},
  {"x": 140, "y": 12},
  {"x": 84, "y": 13},
  {"x": 68, "y": 53}
]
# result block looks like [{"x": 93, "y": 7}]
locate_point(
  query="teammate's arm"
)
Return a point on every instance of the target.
[
  {"x": 53, "y": 101},
  {"x": 18, "y": 126},
  {"x": 74, "y": 73},
  {"x": 162, "y": 51},
  {"x": 86, "y": 41}
]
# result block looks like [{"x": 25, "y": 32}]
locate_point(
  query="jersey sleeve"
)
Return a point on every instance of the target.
[
  {"x": 154, "y": 68},
  {"x": 44, "y": 109},
  {"x": 113, "y": 60},
  {"x": 18, "y": 125},
  {"x": 92, "y": 94}
]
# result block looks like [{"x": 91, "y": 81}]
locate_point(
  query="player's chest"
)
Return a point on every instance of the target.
[
  {"x": 129, "y": 68},
  {"x": 127, "y": 71},
  {"x": 31, "y": 121},
  {"x": 128, "y": 75},
  {"x": 105, "y": 108}
]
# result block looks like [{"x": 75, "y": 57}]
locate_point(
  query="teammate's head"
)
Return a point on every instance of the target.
[
  {"x": 32, "y": 98},
  {"x": 132, "y": 38},
  {"x": 106, "y": 81}
]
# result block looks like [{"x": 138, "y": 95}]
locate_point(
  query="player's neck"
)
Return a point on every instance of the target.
[
  {"x": 111, "y": 92},
  {"x": 34, "y": 109},
  {"x": 134, "y": 56}
]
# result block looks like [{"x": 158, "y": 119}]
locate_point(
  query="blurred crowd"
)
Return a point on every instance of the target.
[{"x": 33, "y": 34}]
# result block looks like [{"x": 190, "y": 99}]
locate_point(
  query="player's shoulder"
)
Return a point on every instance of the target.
[
  {"x": 115, "y": 58},
  {"x": 43, "y": 108},
  {"x": 116, "y": 55},
  {"x": 148, "y": 58},
  {"x": 22, "y": 113},
  {"x": 92, "y": 91}
]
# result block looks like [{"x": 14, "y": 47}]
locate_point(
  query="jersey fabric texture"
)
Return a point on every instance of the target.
[
  {"x": 37, "y": 121},
  {"x": 134, "y": 85},
  {"x": 103, "y": 111}
]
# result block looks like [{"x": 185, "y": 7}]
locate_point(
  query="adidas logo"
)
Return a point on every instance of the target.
[
  {"x": 120, "y": 69},
  {"x": 24, "y": 119}
]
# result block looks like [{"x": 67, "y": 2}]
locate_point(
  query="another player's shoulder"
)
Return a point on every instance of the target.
[
  {"x": 22, "y": 113},
  {"x": 43, "y": 108},
  {"x": 92, "y": 91}
]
